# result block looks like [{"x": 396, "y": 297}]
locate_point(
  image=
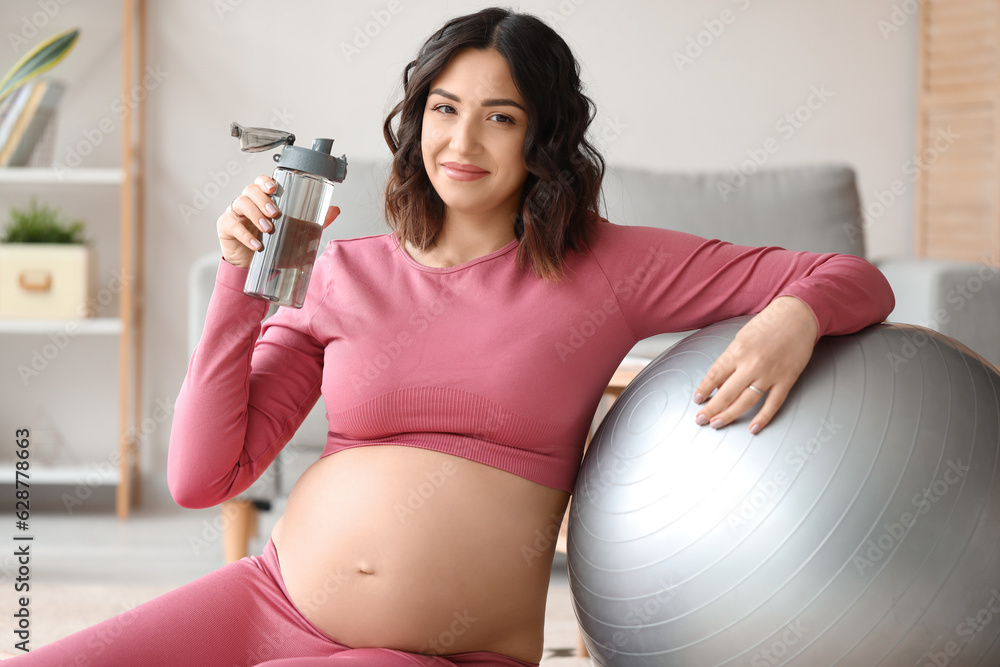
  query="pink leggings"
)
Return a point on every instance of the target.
[{"x": 237, "y": 616}]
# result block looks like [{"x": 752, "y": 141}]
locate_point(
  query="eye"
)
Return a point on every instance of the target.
[
  {"x": 443, "y": 108},
  {"x": 502, "y": 119}
]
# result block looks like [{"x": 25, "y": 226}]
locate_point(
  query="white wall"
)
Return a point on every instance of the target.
[{"x": 260, "y": 62}]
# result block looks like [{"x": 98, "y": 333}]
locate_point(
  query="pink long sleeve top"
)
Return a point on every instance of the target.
[{"x": 483, "y": 360}]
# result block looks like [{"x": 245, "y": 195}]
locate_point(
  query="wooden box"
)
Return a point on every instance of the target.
[{"x": 45, "y": 281}]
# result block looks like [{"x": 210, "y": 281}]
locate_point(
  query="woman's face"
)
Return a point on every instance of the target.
[{"x": 473, "y": 135}]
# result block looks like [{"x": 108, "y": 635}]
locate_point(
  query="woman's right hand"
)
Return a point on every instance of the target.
[{"x": 241, "y": 226}]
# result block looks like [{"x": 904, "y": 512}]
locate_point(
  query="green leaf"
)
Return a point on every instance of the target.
[
  {"x": 38, "y": 60},
  {"x": 41, "y": 224}
]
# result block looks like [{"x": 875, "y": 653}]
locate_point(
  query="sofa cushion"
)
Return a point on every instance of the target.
[{"x": 806, "y": 207}]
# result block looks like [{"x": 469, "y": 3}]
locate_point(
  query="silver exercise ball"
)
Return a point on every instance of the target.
[{"x": 861, "y": 527}]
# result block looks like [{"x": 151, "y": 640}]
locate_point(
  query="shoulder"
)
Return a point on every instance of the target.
[
  {"x": 360, "y": 250},
  {"x": 355, "y": 260},
  {"x": 610, "y": 238},
  {"x": 348, "y": 268},
  {"x": 361, "y": 244}
]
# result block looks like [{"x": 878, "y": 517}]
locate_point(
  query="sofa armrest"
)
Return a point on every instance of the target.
[{"x": 958, "y": 299}]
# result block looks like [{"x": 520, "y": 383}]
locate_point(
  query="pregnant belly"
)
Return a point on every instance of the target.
[{"x": 420, "y": 551}]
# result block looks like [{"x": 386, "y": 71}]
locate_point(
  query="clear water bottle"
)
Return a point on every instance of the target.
[{"x": 280, "y": 271}]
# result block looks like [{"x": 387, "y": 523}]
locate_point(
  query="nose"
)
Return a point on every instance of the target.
[{"x": 465, "y": 136}]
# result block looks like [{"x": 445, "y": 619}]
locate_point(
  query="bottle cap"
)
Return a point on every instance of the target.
[{"x": 316, "y": 160}]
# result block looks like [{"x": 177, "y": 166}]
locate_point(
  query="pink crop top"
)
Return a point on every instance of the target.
[{"x": 482, "y": 360}]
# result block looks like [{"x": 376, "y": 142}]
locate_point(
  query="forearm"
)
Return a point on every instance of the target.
[
  {"x": 208, "y": 435},
  {"x": 844, "y": 294}
]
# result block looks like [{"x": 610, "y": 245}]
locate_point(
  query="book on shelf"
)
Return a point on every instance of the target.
[
  {"x": 10, "y": 111},
  {"x": 40, "y": 101}
]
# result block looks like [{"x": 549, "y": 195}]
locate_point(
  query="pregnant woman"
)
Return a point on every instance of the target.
[{"x": 442, "y": 353}]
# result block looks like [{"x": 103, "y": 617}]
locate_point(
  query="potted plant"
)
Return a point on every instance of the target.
[
  {"x": 40, "y": 59},
  {"x": 46, "y": 269}
]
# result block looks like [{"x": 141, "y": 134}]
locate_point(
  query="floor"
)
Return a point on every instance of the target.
[{"x": 86, "y": 567}]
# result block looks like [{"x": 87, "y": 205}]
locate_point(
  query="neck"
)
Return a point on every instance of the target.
[{"x": 465, "y": 237}]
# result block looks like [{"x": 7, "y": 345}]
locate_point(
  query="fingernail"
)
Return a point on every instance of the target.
[
  {"x": 701, "y": 420},
  {"x": 716, "y": 423},
  {"x": 269, "y": 208},
  {"x": 265, "y": 224},
  {"x": 698, "y": 398},
  {"x": 256, "y": 244},
  {"x": 754, "y": 429},
  {"x": 269, "y": 185}
]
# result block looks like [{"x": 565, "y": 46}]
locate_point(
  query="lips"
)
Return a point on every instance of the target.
[{"x": 462, "y": 172}]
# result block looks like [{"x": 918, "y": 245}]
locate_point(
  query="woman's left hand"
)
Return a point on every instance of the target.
[{"x": 766, "y": 357}]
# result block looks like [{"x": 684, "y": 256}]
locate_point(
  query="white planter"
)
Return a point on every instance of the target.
[{"x": 45, "y": 280}]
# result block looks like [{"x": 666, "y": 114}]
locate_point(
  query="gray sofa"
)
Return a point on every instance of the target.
[{"x": 809, "y": 207}]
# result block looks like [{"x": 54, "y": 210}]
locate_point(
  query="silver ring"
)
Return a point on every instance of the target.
[{"x": 757, "y": 390}]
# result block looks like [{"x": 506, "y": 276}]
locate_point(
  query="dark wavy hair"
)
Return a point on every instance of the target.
[{"x": 560, "y": 196}]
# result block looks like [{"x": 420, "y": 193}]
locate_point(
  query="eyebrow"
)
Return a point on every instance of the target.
[{"x": 502, "y": 102}]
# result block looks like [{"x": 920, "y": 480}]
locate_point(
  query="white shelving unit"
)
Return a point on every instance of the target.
[
  {"x": 95, "y": 326},
  {"x": 46, "y": 175},
  {"x": 65, "y": 475},
  {"x": 127, "y": 326}
]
